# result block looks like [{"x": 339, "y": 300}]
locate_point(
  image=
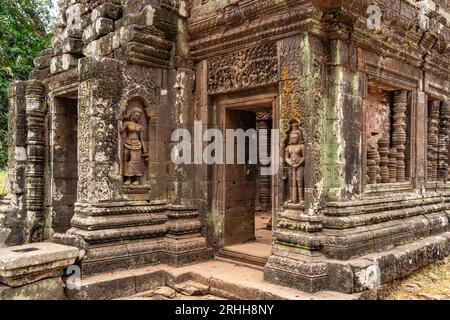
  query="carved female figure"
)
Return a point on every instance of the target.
[
  {"x": 134, "y": 146},
  {"x": 294, "y": 157}
]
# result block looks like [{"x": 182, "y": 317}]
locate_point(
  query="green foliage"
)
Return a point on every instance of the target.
[{"x": 23, "y": 36}]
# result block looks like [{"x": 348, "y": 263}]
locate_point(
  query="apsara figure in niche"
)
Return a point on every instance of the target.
[
  {"x": 295, "y": 158},
  {"x": 135, "y": 150}
]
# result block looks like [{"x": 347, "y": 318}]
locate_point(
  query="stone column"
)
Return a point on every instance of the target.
[
  {"x": 432, "y": 140},
  {"x": 444, "y": 130},
  {"x": 264, "y": 181},
  {"x": 34, "y": 178},
  {"x": 399, "y": 131},
  {"x": 12, "y": 207},
  {"x": 421, "y": 141}
]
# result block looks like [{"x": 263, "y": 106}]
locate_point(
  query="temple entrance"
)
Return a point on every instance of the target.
[
  {"x": 64, "y": 162},
  {"x": 247, "y": 191}
]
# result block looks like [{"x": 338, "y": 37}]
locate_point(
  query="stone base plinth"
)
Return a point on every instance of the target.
[
  {"x": 136, "y": 254},
  {"x": 133, "y": 234},
  {"x": 369, "y": 272}
]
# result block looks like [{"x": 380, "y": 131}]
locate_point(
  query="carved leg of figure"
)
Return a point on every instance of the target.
[
  {"x": 127, "y": 159},
  {"x": 136, "y": 181},
  {"x": 294, "y": 188},
  {"x": 300, "y": 184}
]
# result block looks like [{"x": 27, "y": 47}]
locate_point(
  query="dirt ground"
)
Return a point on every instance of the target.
[{"x": 431, "y": 283}]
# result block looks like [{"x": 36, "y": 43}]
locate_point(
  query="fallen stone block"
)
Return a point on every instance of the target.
[
  {"x": 191, "y": 288},
  {"x": 30, "y": 263}
]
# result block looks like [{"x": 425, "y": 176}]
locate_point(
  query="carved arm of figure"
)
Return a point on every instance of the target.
[
  {"x": 287, "y": 157},
  {"x": 302, "y": 150}
]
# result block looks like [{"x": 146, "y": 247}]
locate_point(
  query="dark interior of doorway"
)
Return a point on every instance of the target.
[
  {"x": 64, "y": 162},
  {"x": 247, "y": 195}
]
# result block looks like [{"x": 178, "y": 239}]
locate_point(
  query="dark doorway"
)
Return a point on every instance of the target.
[
  {"x": 64, "y": 162},
  {"x": 247, "y": 194}
]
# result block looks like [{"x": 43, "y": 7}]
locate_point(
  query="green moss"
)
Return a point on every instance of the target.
[{"x": 215, "y": 219}]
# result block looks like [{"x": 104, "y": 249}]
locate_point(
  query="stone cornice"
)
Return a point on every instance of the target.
[
  {"x": 252, "y": 21},
  {"x": 402, "y": 35}
]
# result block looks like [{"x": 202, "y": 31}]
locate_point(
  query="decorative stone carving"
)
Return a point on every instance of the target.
[
  {"x": 383, "y": 149},
  {"x": 247, "y": 68},
  {"x": 135, "y": 152},
  {"x": 34, "y": 177},
  {"x": 295, "y": 158},
  {"x": 399, "y": 131},
  {"x": 432, "y": 140}
]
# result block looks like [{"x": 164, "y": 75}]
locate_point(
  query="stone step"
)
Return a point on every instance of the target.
[
  {"x": 244, "y": 259},
  {"x": 240, "y": 263},
  {"x": 223, "y": 280}
]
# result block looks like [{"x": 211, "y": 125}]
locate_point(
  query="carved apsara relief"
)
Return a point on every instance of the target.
[
  {"x": 134, "y": 146},
  {"x": 295, "y": 158}
]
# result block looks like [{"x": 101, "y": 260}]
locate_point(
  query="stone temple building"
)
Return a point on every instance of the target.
[{"x": 358, "y": 89}]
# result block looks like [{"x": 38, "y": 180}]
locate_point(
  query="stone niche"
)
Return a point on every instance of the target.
[
  {"x": 387, "y": 136},
  {"x": 135, "y": 145}
]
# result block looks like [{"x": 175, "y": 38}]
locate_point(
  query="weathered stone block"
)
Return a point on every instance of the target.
[
  {"x": 101, "y": 47},
  {"x": 47, "y": 289},
  {"x": 72, "y": 45},
  {"x": 107, "y": 10},
  {"x": 26, "y": 264},
  {"x": 42, "y": 62},
  {"x": 63, "y": 63},
  {"x": 99, "y": 28}
]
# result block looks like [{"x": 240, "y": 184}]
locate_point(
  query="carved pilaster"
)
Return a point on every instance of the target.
[
  {"x": 34, "y": 178},
  {"x": 432, "y": 140},
  {"x": 399, "y": 132},
  {"x": 12, "y": 206}
]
